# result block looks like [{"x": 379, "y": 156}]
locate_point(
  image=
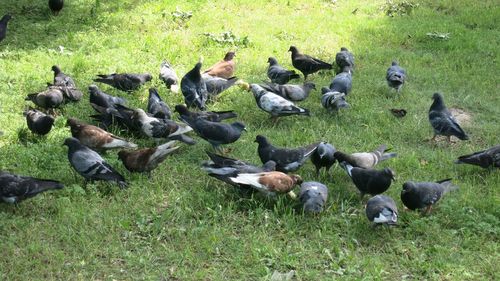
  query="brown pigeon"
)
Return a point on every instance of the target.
[
  {"x": 147, "y": 159},
  {"x": 224, "y": 68}
]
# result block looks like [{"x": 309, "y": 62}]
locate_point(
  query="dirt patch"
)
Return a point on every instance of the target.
[{"x": 463, "y": 117}]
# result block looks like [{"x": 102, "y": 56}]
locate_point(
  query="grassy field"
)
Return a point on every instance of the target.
[{"x": 182, "y": 224}]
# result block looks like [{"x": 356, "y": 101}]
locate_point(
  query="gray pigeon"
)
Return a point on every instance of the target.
[
  {"x": 323, "y": 157},
  {"x": 158, "y": 129},
  {"x": 51, "y": 98},
  {"x": 342, "y": 83},
  {"x": 485, "y": 158},
  {"x": 214, "y": 116},
  {"x": 382, "y": 209},
  {"x": 344, "y": 59},
  {"x": 217, "y": 85},
  {"x": 65, "y": 84},
  {"x": 15, "y": 188},
  {"x": 279, "y": 74},
  {"x": 313, "y": 196},
  {"x": 194, "y": 89},
  {"x": 275, "y": 105},
  {"x": 369, "y": 181},
  {"x": 38, "y": 122},
  {"x": 442, "y": 121},
  {"x": 365, "y": 160},
  {"x": 333, "y": 101},
  {"x": 100, "y": 98},
  {"x": 289, "y": 91},
  {"x": 396, "y": 76},
  {"x": 307, "y": 64},
  {"x": 90, "y": 165},
  {"x": 423, "y": 195},
  {"x": 287, "y": 160},
  {"x": 169, "y": 77},
  {"x": 156, "y": 106},
  {"x": 3, "y": 26},
  {"x": 126, "y": 82}
]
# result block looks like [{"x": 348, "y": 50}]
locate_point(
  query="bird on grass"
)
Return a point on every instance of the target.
[
  {"x": 323, "y": 156},
  {"x": 38, "y": 122},
  {"x": 269, "y": 183},
  {"x": 396, "y": 76},
  {"x": 307, "y": 64},
  {"x": 126, "y": 82},
  {"x": 157, "y": 107},
  {"x": 100, "y": 98},
  {"x": 146, "y": 159},
  {"x": 158, "y": 129},
  {"x": 333, "y": 101},
  {"x": 66, "y": 84},
  {"x": 214, "y": 116},
  {"x": 16, "y": 188},
  {"x": 56, "y": 6},
  {"x": 313, "y": 196},
  {"x": 342, "y": 83},
  {"x": 169, "y": 77},
  {"x": 344, "y": 59},
  {"x": 424, "y": 195},
  {"x": 365, "y": 160},
  {"x": 382, "y": 209},
  {"x": 289, "y": 91},
  {"x": 485, "y": 159},
  {"x": 49, "y": 99},
  {"x": 369, "y": 181},
  {"x": 224, "y": 68},
  {"x": 3, "y": 26},
  {"x": 443, "y": 122},
  {"x": 193, "y": 88},
  {"x": 216, "y": 85},
  {"x": 279, "y": 74}
]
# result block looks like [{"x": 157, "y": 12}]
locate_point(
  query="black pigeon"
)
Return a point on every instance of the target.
[
  {"x": 279, "y": 74},
  {"x": 333, "y": 101},
  {"x": 38, "y": 122},
  {"x": 323, "y": 157},
  {"x": 342, "y": 83},
  {"x": 56, "y": 6},
  {"x": 169, "y": 77},
  {"x": 289, "y": 91},
  {"x": 365, "y": 160},
  {"x": 275, "y": 105},
  {"x": 3, "y": 26},
  {"x": 344, "y": 59},
  {"x": 214, "y": 116},
  {"x": 15, "y": 188},
  {"x": 194, "y": 89},
  {"x": 442, "y": 121},
  {"x": 313, "y": 196},
  {"x": 216, "y": 85},
  {"x": 90, "y": 165},
  {"x": 485, "y": 159},
  {"x": 156, "y": 106},
  {"x": 423, "y": 195},
  {"x": 307, "y": 64},
  {"x": 396, "y": 76},
  {"x": 287, "y": 160},
  {"x": 382, "y": 209},
  {"x": 369, "y": 181},
  {"x": 53, "y": 97},
  {"x": 126, "y": 82},
  {"x": 101, "y": 99}
]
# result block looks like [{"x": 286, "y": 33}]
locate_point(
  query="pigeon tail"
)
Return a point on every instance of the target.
[
  {"x": 44, "y": 185},
  {"x": 386, "y": 156},
  {"x": 447, "y": 185}
]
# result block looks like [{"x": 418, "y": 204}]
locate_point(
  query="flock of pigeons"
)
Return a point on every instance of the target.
[{"x": 198, "y": 87}]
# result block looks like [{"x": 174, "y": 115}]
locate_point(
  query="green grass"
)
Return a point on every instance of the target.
[{"x": 184, "y": 225}]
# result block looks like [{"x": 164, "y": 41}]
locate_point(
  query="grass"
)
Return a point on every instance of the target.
[{"x": 184, "y": 225}]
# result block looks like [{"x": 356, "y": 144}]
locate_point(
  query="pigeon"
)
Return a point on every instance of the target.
[
  {"x": 214, "y": 116},
  {"x": 194, "y": 89},
  {"x": 16, "y": 188},
  {"x": 3, "y": 26},
  {"x": 65, "y": 84},
  {"x": 423, "y": 195},
  {"x": 342, "y": 83},
  {"x": 156, "y": 106},
  {"x": 307, "y": 64},
  {"x": 275, "y": 105},
  {"x": 100, "y": 98},
  {"x": 396, "y": 76},
  {"x": 365, "y": 160},
  {"x": 289, "y": 91},
  {"x": 48, "y": 99},
  {"x": 95, "y": 137},
  {"x": 442, "y": 121},
  {"x": 216, "y": 85},
  {"x": 158, "y": 128},
  {"x": 224, "y": 68},
  {"x": 279, "y": 74},
  {"x": 126, "y": 82},
  {"x": 287, "y": 160},
  {"x": 382, "y": 209},
  {"x": 484, "y": 159},
  {"x": 169, "y": 77},
  {"x": 56, "y": 6},
  {"x": 313, "y": 196},
  {"x": 344, "y": 59},
  {"x": 323, "y": 156},
  {"x": 146, "y": 159},
  {"x": 90, "y": 165},
  {"x": 370, "y": 181},
  {"x": 38, "y": 122},
  {"x": 117, "y": 114},
  {"x": 269, "y": 183},
  {"x": 398, "y": 112},
  {"x": 333, "y": 101}
]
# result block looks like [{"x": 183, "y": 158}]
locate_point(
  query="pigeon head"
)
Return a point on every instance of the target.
[
  {"x": 181, "y": 109},
  {"x": 293, "y": 49},
  {"x": 6, "y": 18},
  {"x": 297, "y": 179},
  {"x": 344, "y": 49},
  {"x": 390, "y": 173},
  {"x": 438, "y": 102},
  {"x": 394, "y": 63},
  {"x": 239, "y": 126},
  {"x": 322, "y": 149},
  {"x": 138, "y": 114},
  {"x": 257, "y": 90},
  {"x": 310, "y": 85},
  {"x": 229, "y": 56},
  {"x": 71, "y": 142},
  {"x": 198, "y": 66},
  {"x": 261, "y": 140},
  {"x": 148, "y": 77},
  {"x": 93, "y": 89},
  {"x": 74, "y": 124},
  {"x": 269, "y": 166},
  {"x": 407, "y": 186},
  {"x": 272, "y": 61},
  {"x": 56, "y": 69},
  {"x": 437, "y": 96}
]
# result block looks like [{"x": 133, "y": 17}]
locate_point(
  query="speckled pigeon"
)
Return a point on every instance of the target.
[{"x": 275, "y": 105}]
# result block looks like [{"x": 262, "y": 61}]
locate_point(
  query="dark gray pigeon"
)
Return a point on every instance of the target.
[
  {"x": 423, "y": 195},
  {"x": 287, "y": 160},
  {"x": 117, "y": 114},
  {"x": 51, "y": 98},
  {"x": 333, "y": 101},
  {"x": 90, "y": 165},
  {"x": 323, "y": 157},
  {"x": 217, "y": 85},
  {"x": 194, "y": 89},
  {"x": 442, "y": 121},
  {"x": 485, "y": 158},
  {"x": 382, "y": 209},
  {"x": 38, "y": 122},
  {"x": 214, "y": 116},
  {"x": 342, "y": 83},
  {"x": 126, "y": 82},
  {"x": 279, "y": 74},
  {"x": 169, "y": 77},
  {"x": 344, "y": 59},
  {"x": 365, "y": 160},
  {"x": 313, "y": 196},
  {"x": 396, "y": 76},
  {"x": 158, "y": 129},
  {"x": 307, "y": 64},
  {"x": 369, "y": 181},
  {"x": 56, "y": 6},
  {"x": 15, "y": 188},
  {"x": 156, "y": 106},
  {"x": 289, "y": 91},
  {"x": 3, "y": 26},
  {"x": 100, "y": 98},
  {"x": 61, "y": 79},
  {"x": 275, "y": 105}
]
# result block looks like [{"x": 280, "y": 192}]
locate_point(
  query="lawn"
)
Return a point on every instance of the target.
[{"x": 181, "y": 224}]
